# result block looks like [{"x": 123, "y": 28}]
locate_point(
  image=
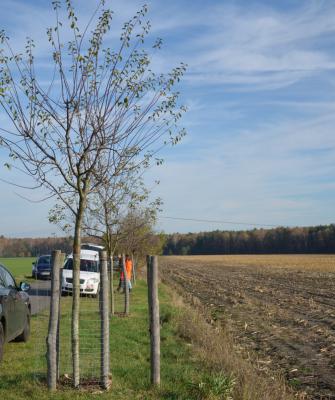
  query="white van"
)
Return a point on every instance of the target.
[{"x": 89, "y": 273}]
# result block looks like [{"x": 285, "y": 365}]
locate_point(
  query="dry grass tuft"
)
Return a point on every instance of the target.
[{"x": 216, "y": 349}]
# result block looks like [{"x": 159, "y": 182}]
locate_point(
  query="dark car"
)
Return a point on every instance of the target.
[
  {"x": 42, "y": 267},
  {"x": 14, "y": 309}
]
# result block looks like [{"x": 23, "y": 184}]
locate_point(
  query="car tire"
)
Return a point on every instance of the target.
[
  {"x": 26, "y": 331},
  {"x": 2, "y": 340},
  {"x": 65, "y": 293}
]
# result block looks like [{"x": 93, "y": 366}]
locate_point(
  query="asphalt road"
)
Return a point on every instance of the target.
[{"x": 39, "y": 294}]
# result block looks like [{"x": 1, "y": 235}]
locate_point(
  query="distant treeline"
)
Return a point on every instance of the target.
[
  {"x": 27, "y": 247},
  {"x": 317, "y": 239}
]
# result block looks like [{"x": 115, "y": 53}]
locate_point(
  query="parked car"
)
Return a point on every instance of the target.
[
  {"x": 89, "y": 273},
  {"x": 42, "y": 267},
  {"x": 14, "y": 309}
]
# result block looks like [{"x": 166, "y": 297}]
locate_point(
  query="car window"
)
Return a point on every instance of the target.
[
  {"x": 9, "y": 280},
  {"x": 85, "y": 265},
  {"x": 2, "y": 277},
  {"x": 44, "y": 260},
  {"x": 6, "y": 278}
]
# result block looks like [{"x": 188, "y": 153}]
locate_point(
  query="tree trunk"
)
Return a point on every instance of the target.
[
  {"x": 154, "y": 320},
  {"x": 125, "y": 285},
  {"x": 111, "y": 284},
  {"x": 53, "y": 321},
  {"x": 110, "y": 255},
  {"x": 134, "y": 269},
  {"x": 76, "y": 295},
  {"x": 104, "y": 301}
]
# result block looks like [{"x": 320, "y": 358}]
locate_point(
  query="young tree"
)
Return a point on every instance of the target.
[
  {"x": 102, "y": 110},
  {"x": 138, "y": 235},
  {"x": 109, "y": 204}
]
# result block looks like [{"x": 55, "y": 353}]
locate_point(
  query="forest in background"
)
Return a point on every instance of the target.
[
  {"x": 32, "y": 247},
  {"x": 316, "y": 239}
]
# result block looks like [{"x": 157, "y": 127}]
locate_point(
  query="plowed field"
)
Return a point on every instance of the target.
[{"x": 280, "y": 308}]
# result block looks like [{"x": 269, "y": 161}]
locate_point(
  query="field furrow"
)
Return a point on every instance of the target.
[{"x": 279, "y": 308}]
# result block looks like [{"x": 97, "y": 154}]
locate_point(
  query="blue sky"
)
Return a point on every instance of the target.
[{"x": 260, "y": 92}]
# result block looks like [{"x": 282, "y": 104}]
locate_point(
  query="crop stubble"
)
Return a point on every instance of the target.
[{"x": 282, "y": 308}]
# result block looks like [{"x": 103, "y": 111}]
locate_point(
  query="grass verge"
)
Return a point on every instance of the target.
[
  {"x": 20, "y": 267},
  {"x": 184, "y": 375}
]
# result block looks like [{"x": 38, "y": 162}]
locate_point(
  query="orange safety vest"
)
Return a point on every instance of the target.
[{"x": 129, "y": 268}]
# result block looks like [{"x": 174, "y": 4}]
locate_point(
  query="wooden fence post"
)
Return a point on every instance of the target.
[
  {"x": 104, "y": 308},
  {"x": 61, "y": 262},
  {"x": 125, "y": 286},
  {"x": 149, "y": 292},
  {"x": 53, "y": 321},
  {"x": 133, "y": 276},
  {"x": 154, "y": 328},
  {"x": 111, "y": 285}
]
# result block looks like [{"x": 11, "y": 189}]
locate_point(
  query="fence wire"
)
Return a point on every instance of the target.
[{"x": 89, "y": 331}]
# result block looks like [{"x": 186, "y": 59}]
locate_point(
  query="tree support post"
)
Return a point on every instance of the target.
[
  {"x": 154, "y": 328},
  {"x": 104, "y": 308},
  {"x": 61, "y": 262},
  {"x": 133, "y": 276},
  {"x": 52, "y": 358},
  {"x": 111, "y": 286}
]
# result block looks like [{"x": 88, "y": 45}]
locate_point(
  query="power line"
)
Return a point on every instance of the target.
[{"x": 217, "y": 221}]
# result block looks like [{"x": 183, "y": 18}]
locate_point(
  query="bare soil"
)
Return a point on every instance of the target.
[{"x": 281, "y": 309}]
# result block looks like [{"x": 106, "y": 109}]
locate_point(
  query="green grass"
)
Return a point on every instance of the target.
[
  {"x": 23, "y": 371},
  {"x": 20, "y": 267}
]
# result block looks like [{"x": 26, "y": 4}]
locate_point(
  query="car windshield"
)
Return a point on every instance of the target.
[
  {"x": 85, "y": 265},
  {"x": 44, "y": 260}
]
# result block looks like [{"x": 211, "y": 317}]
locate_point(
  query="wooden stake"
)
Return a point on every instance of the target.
[
  {"x": 53, "y": 321},
  {"x": 61, "y": 262},
  {"x": 104, "y": 306},
  {"x": 154, "y": 320},
  {"x": 111, "y": 285},
  {"x": 133, "y": 276}
]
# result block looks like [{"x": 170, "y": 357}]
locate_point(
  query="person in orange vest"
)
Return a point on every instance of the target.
[{"x": 129, "y": 270}]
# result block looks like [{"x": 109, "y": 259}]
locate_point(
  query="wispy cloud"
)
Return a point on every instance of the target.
[
  {"x": 260, "y": 93},
  {"x": 273, "y": 175},
  {"x": 255, "y": 45}
]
